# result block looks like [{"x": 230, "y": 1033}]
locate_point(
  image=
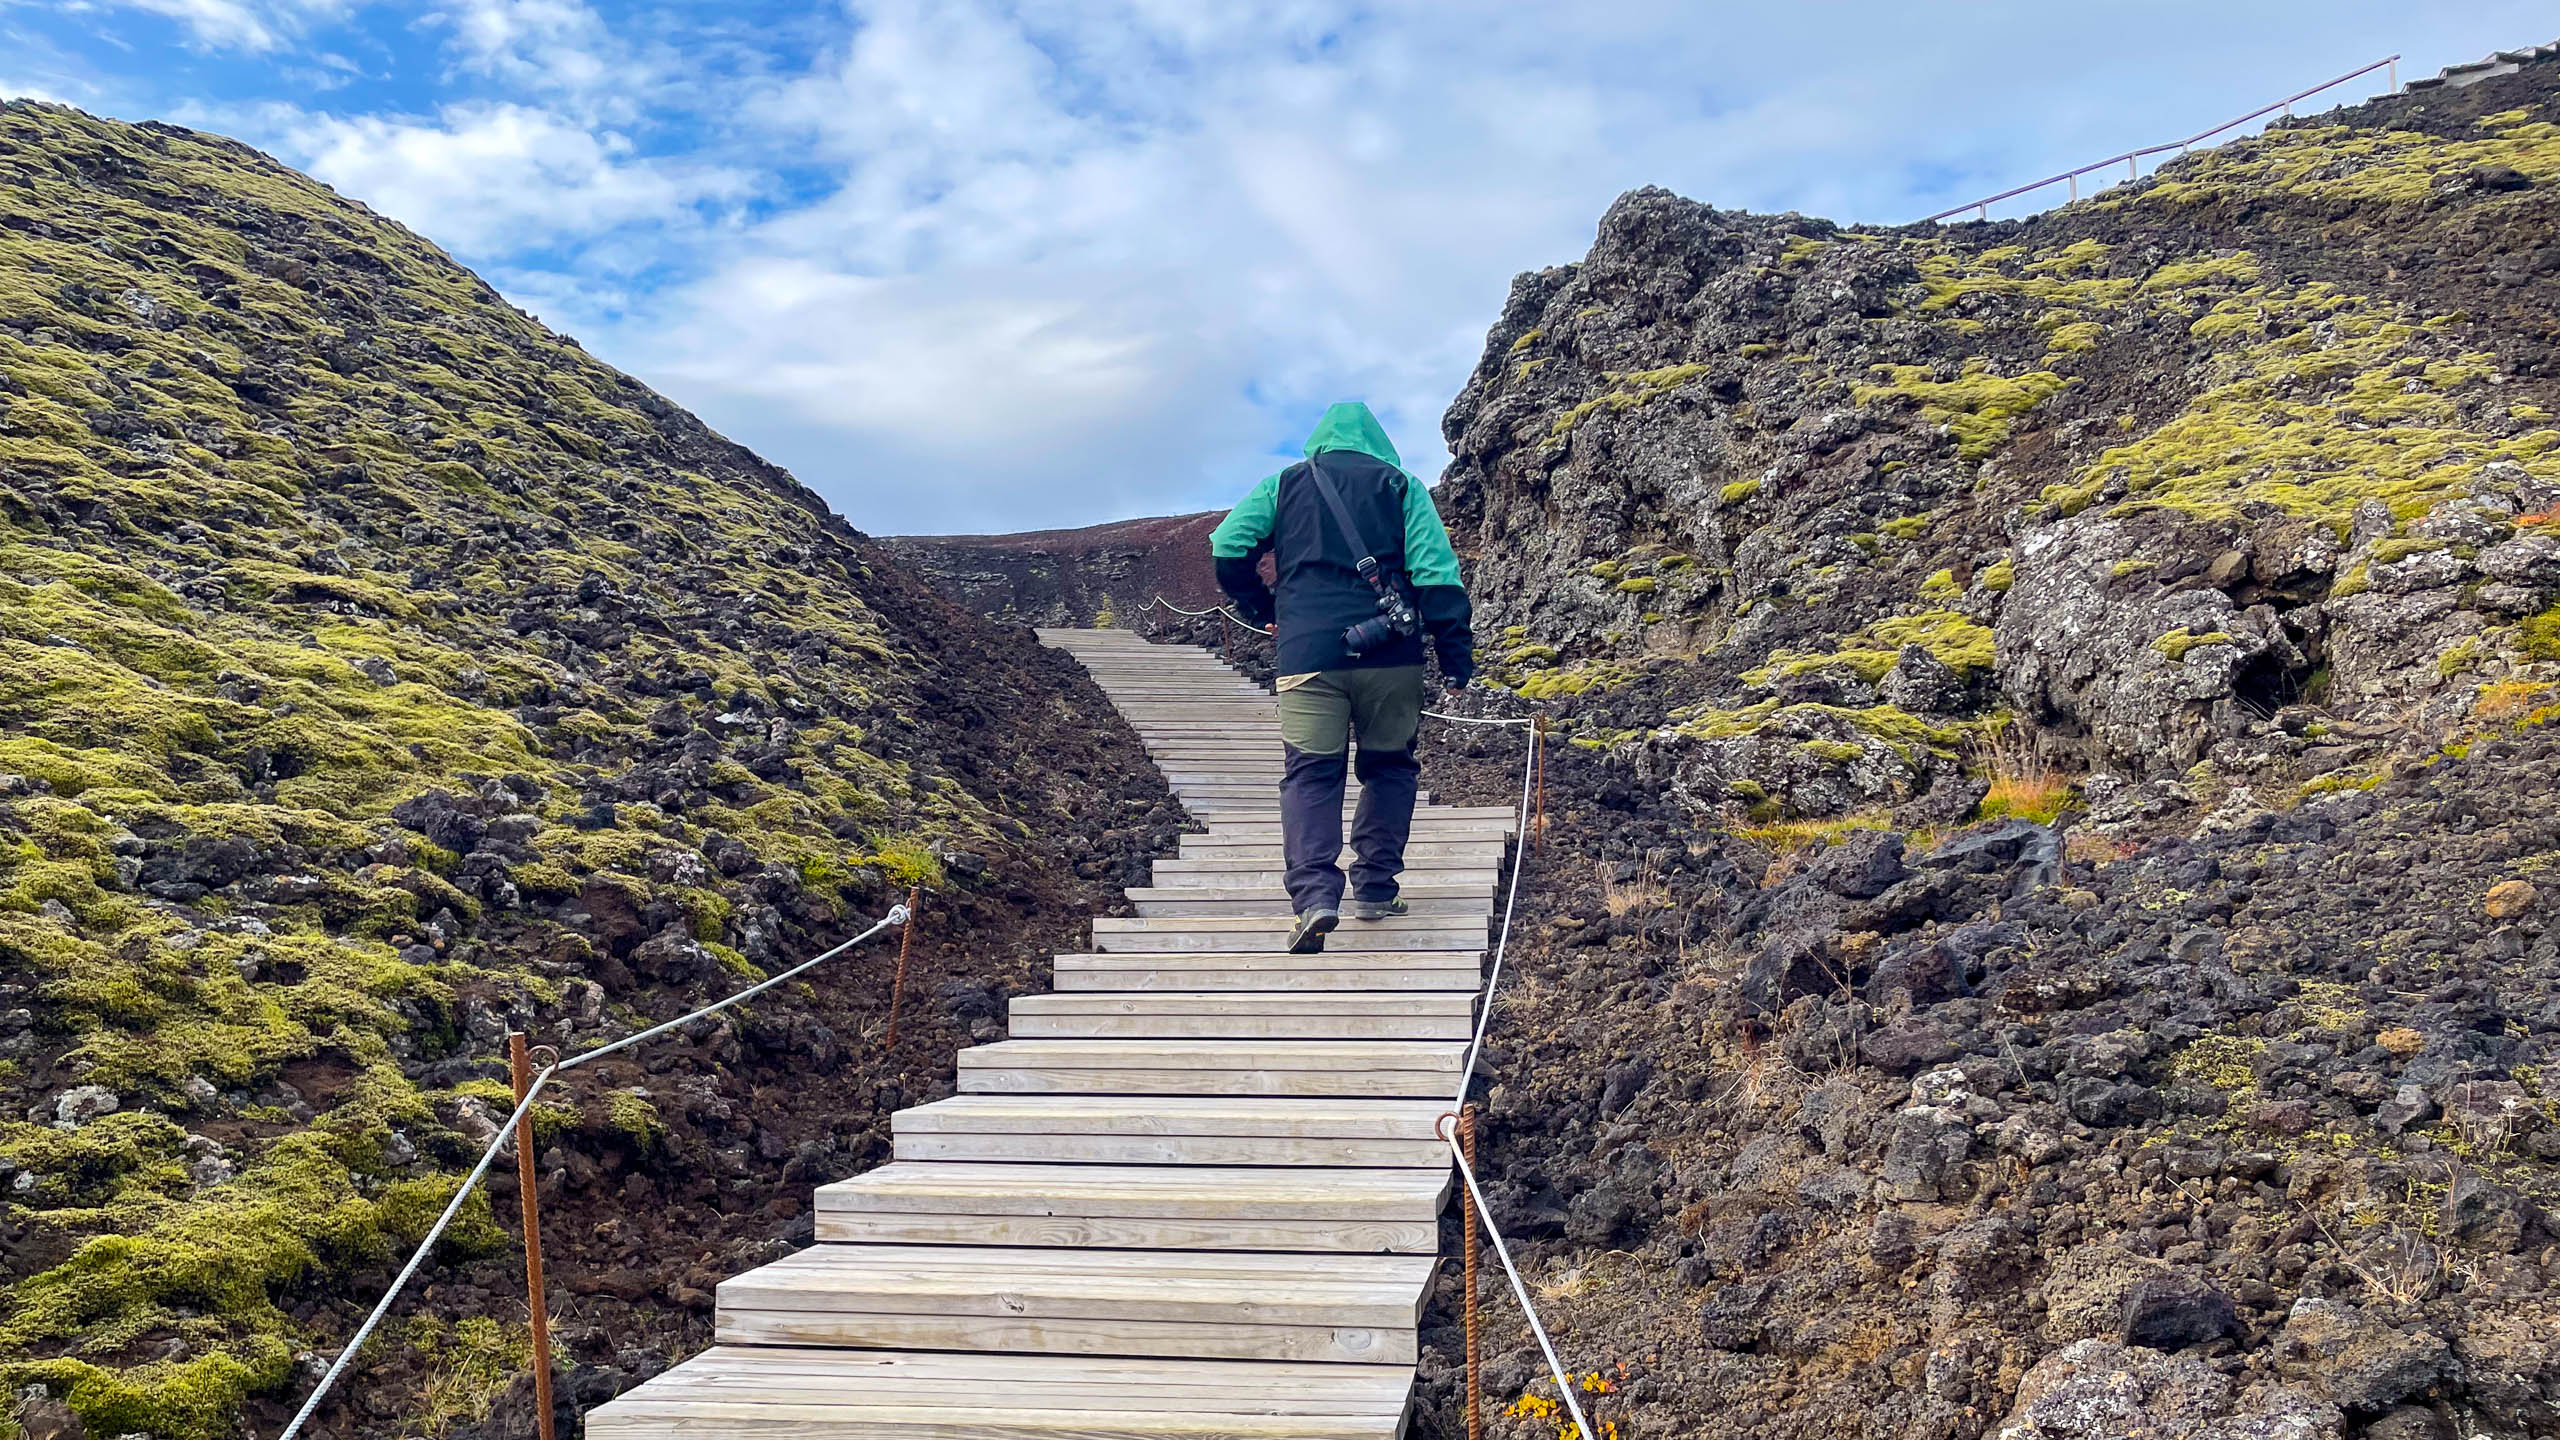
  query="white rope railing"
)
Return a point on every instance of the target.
[
  {"x": 1448, "y": 1131},
  {"x": 1241, "y": 623},
  {"x": 1510, "y": 903},
  {"x": 897, "y": 916}
]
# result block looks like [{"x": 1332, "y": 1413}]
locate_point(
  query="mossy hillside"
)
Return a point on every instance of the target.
[
  {"x": 299, "y": 520},
  {"x": 2343, "y": 163}
]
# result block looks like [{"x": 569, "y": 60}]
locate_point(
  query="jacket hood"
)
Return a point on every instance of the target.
[{"x": 1350, "y": 426}]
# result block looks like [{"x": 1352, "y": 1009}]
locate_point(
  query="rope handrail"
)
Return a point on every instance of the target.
[
  {"x": 1982, "y": 207},
  {"x": 1161, "y": 603},
  {"x": 898, "y": 915},
  {"x": 1502, "y": 938},
  {"x": 1447, "y": 1129}
]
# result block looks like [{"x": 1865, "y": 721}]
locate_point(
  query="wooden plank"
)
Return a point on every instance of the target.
[
  {"x": 1178, "y": 1303},
  {"x": 771, "y": 1392},
  {"x": 1158, "y": 971},
  {"x": 1428, "y": 1057},
  {"x": 1192, "y": 1192},
  {"x": 1452, "y": 934},
  {"x": 1176, "y": 1115}
]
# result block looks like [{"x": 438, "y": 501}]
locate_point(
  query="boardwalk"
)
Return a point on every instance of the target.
[{"x": 1196, "y": 1194}]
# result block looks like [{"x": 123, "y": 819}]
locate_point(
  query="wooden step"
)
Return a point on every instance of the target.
[
  {"x": 1334, "y": 1132},
  {"x": 1166, "y": 1207},
  {"x": 1245, "y": 1015},
  {"x": 1470, "y": 933},
  {"x": 1254, "y": 874},
  {"x": 1416, "y": 854},
  {"x": 1345, "y": 968},
  {"x": 1177, "y": 1304},
  {"x": 800, "y": 1393},
  {"x": 1385, "y": 1069},
  {"x": 1195, "y": 901}
]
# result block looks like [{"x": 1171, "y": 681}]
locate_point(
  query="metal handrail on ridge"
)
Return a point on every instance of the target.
[{"x": 2130, "y": 158}]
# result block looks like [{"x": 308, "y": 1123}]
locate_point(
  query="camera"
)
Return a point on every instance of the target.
[{"x": 1394, "y": 621}]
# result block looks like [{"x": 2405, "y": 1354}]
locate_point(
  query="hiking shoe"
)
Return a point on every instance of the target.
[
  {"x": 1307, "y": 937},
  {"x": 1379, "y": 909}
]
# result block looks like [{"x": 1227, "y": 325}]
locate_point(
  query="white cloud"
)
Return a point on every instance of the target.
[
  {"x": 254, "y": 25},
  {"x": 485, "y": 179},
  {"x": 560, "y": 48}
]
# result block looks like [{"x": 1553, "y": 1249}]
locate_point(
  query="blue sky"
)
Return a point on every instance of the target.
[{"x": 968, "y": 266}]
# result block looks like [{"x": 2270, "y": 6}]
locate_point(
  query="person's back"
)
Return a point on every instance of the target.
[{"x": 1351, "y": 650}]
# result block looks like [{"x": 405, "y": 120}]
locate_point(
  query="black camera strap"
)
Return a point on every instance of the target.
[{"x": 1368, "y": 563}]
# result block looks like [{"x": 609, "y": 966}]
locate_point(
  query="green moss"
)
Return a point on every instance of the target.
[
  {"x": 1580, "y": 678},
  {"x": 1832, "y": 752},
  {"x": 1941, "y": 585},
  {"x": 636, "y": 1120},
  {"x": 1527, "y": 338},
  {"x": 2221, "y": 1061},
  {"x": 1627, "y": 390},
  {"x": 2076, "y": 338},
  {"x": 2235, "y": 269},
  {"x": 1952, "y": 637},
  {"x": 1999, "y": 575},
  {"x": 2539, "y": 635},
  {"x": 1906, "y": 527},
  {"x": 2316, "y": 422},
  {"x": 1639, "y": 585},
  {"x": 1977, "y": 406},
  {"x": 1738, "y": 491},
  {"x": 2178, "y": 642},
  {"x": 2341, "y": 163}
]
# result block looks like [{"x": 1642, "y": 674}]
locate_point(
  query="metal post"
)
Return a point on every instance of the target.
[
  {"x": 2075, "y": 188},
  {"x": 520, "y": 1061},
  {"x": 906, "y": 942},
  {"x": 2129, "y": 174},
  {"x": 1538, "y": 764},
  {"x": 1475, "y": 1350},
  {"x": 1227, "y": 644},
  {"x": 1982, "y": 211},
  {"x": 2394, "y": 63}
]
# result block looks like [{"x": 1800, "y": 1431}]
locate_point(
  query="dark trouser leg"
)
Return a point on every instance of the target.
[
  {"x": 1388, "y": 779},
  {"x": 1386, "y": 712},
  {"x": 1311, "y": 828},
  {"x": 1315, "y": 731}
]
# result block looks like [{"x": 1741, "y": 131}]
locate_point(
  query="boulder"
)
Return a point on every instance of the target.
[
  {"x": 2355, "y": 1360},
  {"x": 2099, "y": 1390}
]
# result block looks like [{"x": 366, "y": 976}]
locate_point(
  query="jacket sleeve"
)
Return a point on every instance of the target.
[
  {"x": 1237, "y": 545},
  {"x": 1431, "y": 563}
]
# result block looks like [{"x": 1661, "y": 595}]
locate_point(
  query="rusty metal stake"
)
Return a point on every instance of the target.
[
  {"x": 520, "y": 1061},
  {"x": 1538, "y": 826},
  {"x": 906, "y": 942},
  {"x": 1475, "y": 1367}
]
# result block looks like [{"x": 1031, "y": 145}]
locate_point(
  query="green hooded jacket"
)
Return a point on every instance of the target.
[
  {"x": 1320, "y": 592},
  {"x": 1428, "y": 557}
]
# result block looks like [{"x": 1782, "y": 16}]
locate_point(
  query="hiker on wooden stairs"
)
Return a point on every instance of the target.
[{"x": 1343, "y": 559}]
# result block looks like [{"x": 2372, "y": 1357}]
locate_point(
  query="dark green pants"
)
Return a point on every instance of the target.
[{"x": 1320, "y": 718}]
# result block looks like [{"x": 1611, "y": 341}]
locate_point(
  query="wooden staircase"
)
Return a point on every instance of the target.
[{"x": 1196, "y": 1194}]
